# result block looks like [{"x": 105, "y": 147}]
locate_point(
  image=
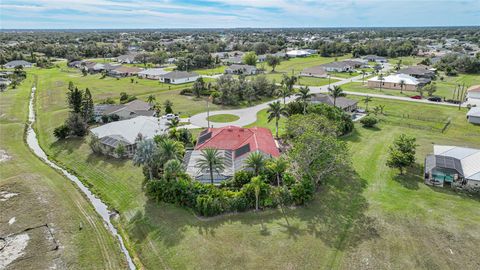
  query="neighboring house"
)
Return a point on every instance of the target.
[
  {"x": 123, "y": 111},
  {"x": 234, "y": 145},
  {"x": 127, "y": 58},
  {"x": 473, "y": 92},
  {"x": 394, "y": 82},
  {"x": 341, "y": 66},
  {"x": 347, "y": 105},
  {"x": 16, "y": 63},
  {"x": 316, "y": 71},
  {"x": 473, "y": 115},
  {"x": 233, "y": 60},
  {"x": 99, "y": 67},
  {"x": 124, "y": 71},
  {"x": 178, "y": 77},
  {"x": 241, "y": 70},
  {"x": 152, "y": 73},
  {"x": 453, "y": 165},
  {"x": 261, "y": 58},
  {"x": 374, "y": 58},
  {"x": 298, "y": 53},
  {"x": 418, "y": 72},
  {"x": 171, "y": 60},
  {"x": 127, "y": 133}
]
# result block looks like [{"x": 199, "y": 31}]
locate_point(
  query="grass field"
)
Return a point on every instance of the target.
[
  {"x": 406, "y": 60},
  {"x": 223, "y": 118},
  {"x": 211, "y": 71},
  {"x": 366, "y": 218},
  {"x": 46, "y": 197}
]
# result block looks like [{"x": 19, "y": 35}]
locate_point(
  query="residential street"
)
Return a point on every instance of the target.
[{"x": 249, "y": 115}]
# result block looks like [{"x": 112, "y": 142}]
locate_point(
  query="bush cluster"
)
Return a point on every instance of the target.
[{"x": 235, "y": 195}]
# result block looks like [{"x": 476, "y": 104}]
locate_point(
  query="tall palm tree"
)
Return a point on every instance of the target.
[
  {"x": 277, "y": 166},
  {"x": 170, "y": 149},
  {"x": 304, "y": 95},
  {"x": 276, "y": 111},
  {"x": 289, "y": 81},
  {"x": 367, "y": 99},
  {"x": 257, "y": 186},
  {"x": 336, "y": 91},
  {"x": 172, "y": 169},
  {"x": 381, "y": 79},
  {"x": 146, "y": 155},
  {"x": 151, "y": 99},
  {"x": 284, "y": 92},
  {"x": 402, "y": 84},
  {"x": 211, "y": 160},
  {"x": 363, "y": 76},
  {"x": 255, "y": 161}
]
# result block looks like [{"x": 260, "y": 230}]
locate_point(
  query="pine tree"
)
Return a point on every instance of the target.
[
  {"x": 87, "y": 106},
  {"x": 75, "y": 98}
]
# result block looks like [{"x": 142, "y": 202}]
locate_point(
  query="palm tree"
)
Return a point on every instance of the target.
[
  {"x": 277, "y": 166},
  {"x": 367, "y": 99},
  {"x": 398, "y": 65},
  {"x": 381, "y": 79},
  {"x": 151, "y": 99},
  {"x": 284, "y": 92},
  {"x": 211, "y": 160},
  {"x": 304, "y": 95},
  {"x": 145, "y": 155},
  {"x": 170, "y": 149},
  {"x": 172, "y": 169},
  {"x": 336, "y": 91},
  {"x": 257, "y": 185},
  {"x": 402, "y": 84},
  {"x": 289, "y": 81},
  {"x": 255, "y": 161},
  {"x": 276, "y": 111},
  {"x": 363, "y": 76}
]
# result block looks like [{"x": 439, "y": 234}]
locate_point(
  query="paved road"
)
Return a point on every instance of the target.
[{"x": 249, "y": 115}]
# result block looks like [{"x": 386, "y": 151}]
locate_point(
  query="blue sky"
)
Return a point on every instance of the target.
[{"x": 75, "y": 14}]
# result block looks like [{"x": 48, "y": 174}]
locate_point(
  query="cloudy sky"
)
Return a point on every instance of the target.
[{"x": 81, "y": 14}]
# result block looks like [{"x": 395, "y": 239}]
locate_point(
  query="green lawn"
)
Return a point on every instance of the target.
[
  {"x": 311, "y": 81},
  {"x": 368, "y": 218},
  {"x": 46, "y": 197},
  {"x": 223, "y": 118},
  {"x": 406, "y": 60},
  {"x": 211, "y": 71}
]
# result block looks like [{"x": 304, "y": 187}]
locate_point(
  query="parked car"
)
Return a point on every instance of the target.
[
  {"x": 436, "y": 99},
  {"x": 416, "y": 97},
  {"x": 171, "y": 116}
]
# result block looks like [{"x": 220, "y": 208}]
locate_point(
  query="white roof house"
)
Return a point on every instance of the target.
[
  {"x": 298, "y": 53},
  {"x": 473, "y": 115},
  {"x": 152, "y": 73},
  {"x": 469, "y": 159},
  {"x": 396, "y": 78},
  {"x": 127, "y": 130}
]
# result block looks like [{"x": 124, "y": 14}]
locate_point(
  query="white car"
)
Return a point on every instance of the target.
[{"x": 170, "y": 116}]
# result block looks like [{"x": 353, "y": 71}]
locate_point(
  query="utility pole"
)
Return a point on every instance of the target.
[{"x": 208, "y": 113}]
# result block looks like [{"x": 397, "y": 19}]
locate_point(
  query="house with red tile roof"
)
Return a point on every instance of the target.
[{"x": 234, "y": 145}]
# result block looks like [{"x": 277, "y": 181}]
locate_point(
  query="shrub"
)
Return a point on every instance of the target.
[
  {"x": 369, "y": 121},
  {"x": 61, "y": 132},
  {"x": 302, "y": 191}
]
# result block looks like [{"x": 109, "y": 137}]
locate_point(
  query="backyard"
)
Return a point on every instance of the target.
[{"x": 367, "y": 218}]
